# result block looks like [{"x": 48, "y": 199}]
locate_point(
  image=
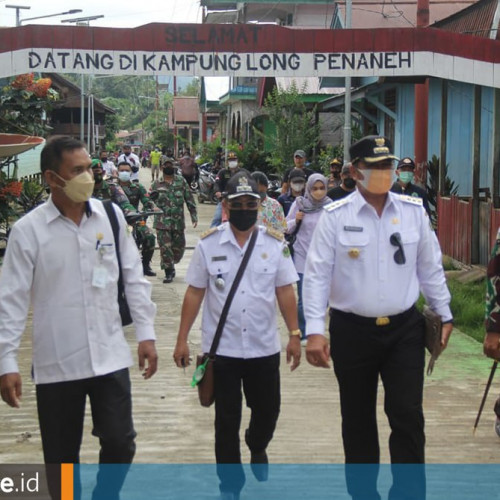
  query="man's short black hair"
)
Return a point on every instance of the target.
[
  {"x": 51, "y": 155},
  {"x": 124, "y": 163}
]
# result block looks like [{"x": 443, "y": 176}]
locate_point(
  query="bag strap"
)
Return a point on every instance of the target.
[
  {"x": 108, "y": 206},
  {"x": 229, "y": 299}
]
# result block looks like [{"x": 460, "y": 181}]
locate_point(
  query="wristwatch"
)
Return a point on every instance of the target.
[{"x": 294, "y": 333}]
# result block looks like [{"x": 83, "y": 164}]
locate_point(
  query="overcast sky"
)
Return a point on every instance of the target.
[
  {"x": 117, "y": 13},
  {"x": 124, "y": 13}
]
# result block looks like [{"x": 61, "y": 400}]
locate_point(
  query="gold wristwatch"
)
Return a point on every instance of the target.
[{"x": 294, "y": 333}]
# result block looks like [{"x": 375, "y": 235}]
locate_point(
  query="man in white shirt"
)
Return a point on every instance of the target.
[
  {"x": 371, "y": 254},
  {"x": 108, "y": 166},
  {"x": 132, "y": 159},
  {"x": 61, "y": 257},
  {"x": 248, "y": 353}
]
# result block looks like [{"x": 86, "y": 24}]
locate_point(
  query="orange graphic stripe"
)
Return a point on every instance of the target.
[{"x": 66, "y": 481}]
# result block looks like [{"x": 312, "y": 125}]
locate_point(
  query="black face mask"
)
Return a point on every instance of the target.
[
  {"x": 243, "y": 219},
  {"x": 336, "y": 174},
  {"x": 104, "y": 159},
  {"x": 127, "y": 153},
  {"x": 168, "y": 171},
  {"x": 98, "y": 178},
  {"x": 349, "y": 183}
]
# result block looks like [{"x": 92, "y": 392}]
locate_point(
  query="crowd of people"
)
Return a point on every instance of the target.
[{"x": 354, "y": 245}]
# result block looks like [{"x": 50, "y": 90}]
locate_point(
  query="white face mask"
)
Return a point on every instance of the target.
[
  {"x": 79, "y": 188},
  {"x": 124, "y": 176},
  {"x": 376, "y": 181},
  {"x": 297, "y": 186},
  {"x": 232, "y": 164}
]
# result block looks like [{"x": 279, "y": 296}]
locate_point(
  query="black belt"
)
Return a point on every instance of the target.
[{"x": 393, "y": 320}]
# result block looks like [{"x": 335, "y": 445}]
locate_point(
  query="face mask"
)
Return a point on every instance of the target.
[
  {"x": 297, "y": 186},
  {"x": 168, "y": 171},
  {"x": 104, "y": 160},
  {"x": 232, "y": 164},
  {"x": 124, "y": 176},
  {"x": 78, "y": 189},
  {"x": 243, "y": 219},
  {"x": 336, "y": 174},
  {"x": 98, "y": 178},
  {"x": 127, "y": 153},
  {"x": 318, "y": 194},
  {"x": 376, "y": 181},
  {"x": 349, "y": 183},
  {"x": 262, "y": 195},
  {"x": 406, "y": 177}
]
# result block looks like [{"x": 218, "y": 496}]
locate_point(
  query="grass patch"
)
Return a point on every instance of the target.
[{"x": 467, "y": 306}]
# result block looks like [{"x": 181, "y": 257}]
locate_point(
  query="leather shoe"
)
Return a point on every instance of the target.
[
  {"x": 149, "y": 272},
  {"x": 259, "y": 465}
]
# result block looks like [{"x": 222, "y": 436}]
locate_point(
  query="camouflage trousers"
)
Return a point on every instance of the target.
[
  {"x": 146, "y": 237},
  {"x": 172, "y": 245}
]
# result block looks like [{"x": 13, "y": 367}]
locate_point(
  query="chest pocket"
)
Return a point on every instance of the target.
[
  {"x": 353, "y": 246},
  {"x": 218, "y": 269},
  {"x": 410, "y": 241}
]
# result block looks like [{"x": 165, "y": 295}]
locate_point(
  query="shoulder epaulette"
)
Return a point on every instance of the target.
[
  {"x": 208, "y": 232},
  {"x": 336, "y": 204},
  {"x": 414, "y": 200},
  {"x": 275, "y": 233}
]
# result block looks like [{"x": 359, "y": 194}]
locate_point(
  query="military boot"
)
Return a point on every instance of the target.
[
  {"x": 169, "y": 275},
  {"x": 146, "y": 263}
]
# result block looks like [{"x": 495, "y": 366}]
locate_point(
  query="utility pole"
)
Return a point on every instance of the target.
[
  {"x": 18, "y": 8},
  {"x": 347, "y": 100}
]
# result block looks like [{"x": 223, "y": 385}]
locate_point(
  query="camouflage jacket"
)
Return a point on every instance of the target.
[
  {"x": 113, "y": 192},
  {"x": 492, "y": 319},
  {"x": 137, "y": 193},
  {"x": 171, "y": 198}
]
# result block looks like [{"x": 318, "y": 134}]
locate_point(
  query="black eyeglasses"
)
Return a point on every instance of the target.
[{"x": 399, "y": 256}]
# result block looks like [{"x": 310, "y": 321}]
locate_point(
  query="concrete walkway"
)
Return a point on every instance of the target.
[{"x": 173, "y": 428}]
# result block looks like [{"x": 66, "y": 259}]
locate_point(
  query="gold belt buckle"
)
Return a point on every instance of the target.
[{"x": 382, "y": 321}]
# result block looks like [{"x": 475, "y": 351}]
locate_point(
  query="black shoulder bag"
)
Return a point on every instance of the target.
[
  {"x": 122, "y": 299},
  {"x": 204, "y": 374}
]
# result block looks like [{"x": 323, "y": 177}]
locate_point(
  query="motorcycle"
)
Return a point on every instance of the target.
[
  {"x": 274, "y": 185},
  {"x": 206, "y": 184}
]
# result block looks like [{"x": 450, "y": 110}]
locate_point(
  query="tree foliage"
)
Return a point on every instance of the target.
[
  {"x": 295, "y": 126},
  {"x": 24, "y": 104}
]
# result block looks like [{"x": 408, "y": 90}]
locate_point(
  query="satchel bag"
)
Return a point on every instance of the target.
[
  {"x": 122, "y": 299},
  {"x": 433, "y": 327},
  {"x": 203, "y": 376}
]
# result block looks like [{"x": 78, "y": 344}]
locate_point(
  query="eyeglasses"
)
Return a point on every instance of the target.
[
  {"x": 399, "y": 256},
  {"x": 238, "y": 205}
]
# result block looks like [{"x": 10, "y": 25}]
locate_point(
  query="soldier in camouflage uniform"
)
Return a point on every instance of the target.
[
  {"x": 491, "y": 345},
  {"x": 170, "y": 193},
  {"x": 137, "y": 193},
  {"x": 109, "y": 190}
]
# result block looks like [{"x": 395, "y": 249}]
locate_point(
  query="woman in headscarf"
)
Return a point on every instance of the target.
[{"x": 301, "y": 221}]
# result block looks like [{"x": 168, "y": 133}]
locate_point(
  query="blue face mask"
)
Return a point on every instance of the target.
[
  {"x": 124, "y": 176},
  {"x": 406, "y": 177}
]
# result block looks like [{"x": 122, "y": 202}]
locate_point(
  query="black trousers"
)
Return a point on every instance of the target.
[
  {"x": 361, "y": 352},
  {"x": 61, "y": 411},
  {"x": 260, "y": 379}
]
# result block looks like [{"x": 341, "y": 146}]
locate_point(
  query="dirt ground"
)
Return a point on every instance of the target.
[{"x": 173, "y": 428}]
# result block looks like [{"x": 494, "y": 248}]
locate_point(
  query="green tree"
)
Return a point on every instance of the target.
[
  {"x": 24, "y": 104},
  {"x": 191, "y": 89},
  {"x": 295, "y": 126}
]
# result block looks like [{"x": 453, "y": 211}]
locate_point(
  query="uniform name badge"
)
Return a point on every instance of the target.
[{"x": 99, "y": 277}]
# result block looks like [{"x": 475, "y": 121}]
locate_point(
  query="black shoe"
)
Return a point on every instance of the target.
[
  {"x": 169, "y": 276},
  {"x": 259, "y": 463},
  {"x": 148, "y": 272}
]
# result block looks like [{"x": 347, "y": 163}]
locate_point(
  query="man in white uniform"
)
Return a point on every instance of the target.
[
  {"x": 248, "y": 354},
  {"x": 371, "y": 254},
  {"x": 61, "y": 257},
  {"x": 132, "y": 159}
]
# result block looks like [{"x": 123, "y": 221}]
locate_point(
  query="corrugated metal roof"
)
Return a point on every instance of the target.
[
  {"x": 475, "y": 20},
  {"x": 306, "y": 85},
  {"x": 186, "y": 110}
]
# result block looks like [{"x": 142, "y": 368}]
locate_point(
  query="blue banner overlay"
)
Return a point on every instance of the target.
[{"x": 291, "y": 481}]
